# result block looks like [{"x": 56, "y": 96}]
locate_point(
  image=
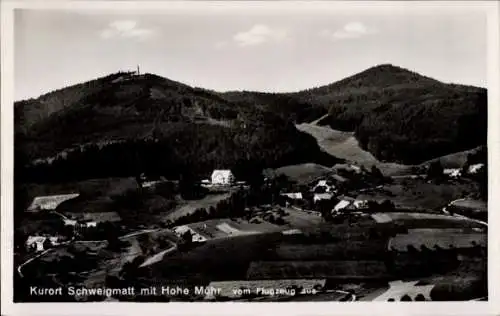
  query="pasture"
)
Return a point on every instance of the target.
[
  {"x": 342, "y": 270},
  {"x": 344, "y": 145},
  {"x": 419, "y": 193},
  {"x": 189, "y": 206},
  {"x": 303, "y": 173},
  {"x": 220, "y": 228}
]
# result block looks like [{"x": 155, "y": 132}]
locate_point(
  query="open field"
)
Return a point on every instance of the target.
[
  {"x": 455, "y": 160},
  {"x": 355, "y": 269},
  {"x": 217, "y": 259},
  {"x": 303, "y": 173},
  {"x": 470, "y": 204},
  {"x": 429, "y": 220},
  {"x": 300, "y": 219},
  {"x": 332, "y": 251},
  {"x": 91, "y": 188},
  {"x": 419, "y": 193},
  {"x": 345, "y": 146},
  {"x": 188, "y": 207},
  {"x": 220, "y": 228}
]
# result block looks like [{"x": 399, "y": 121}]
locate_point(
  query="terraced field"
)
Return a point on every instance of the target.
[
  {"x": 355, "y": 269},
  {"x": 331, "y": 251}
]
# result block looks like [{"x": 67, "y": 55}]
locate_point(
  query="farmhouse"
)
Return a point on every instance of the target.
[
  {"x": 40, "y": 243},
  {"x": 50, "y": 202},
  {"x": 452, "y": 173},
  {"x": 322, "y": 196},
  {"x": 325, "y": 185},
  {"x": 473, "y": 169},
  {"x": 222, "y": 177},
  {"x": 196, "y": 236}
]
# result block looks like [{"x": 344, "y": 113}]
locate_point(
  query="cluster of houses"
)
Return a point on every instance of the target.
[
  {"x": 326, "y": 190},
  {"x": 41, "y": 243},
  {"x": 459, "y": 172},
  {"x": 195, "y": 235},
  {"x": 80, "y": 223}
]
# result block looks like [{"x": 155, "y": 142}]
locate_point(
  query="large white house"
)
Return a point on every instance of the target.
[
  {"x": 322, "y": 196},
  {"x": 223, "y": 177}
]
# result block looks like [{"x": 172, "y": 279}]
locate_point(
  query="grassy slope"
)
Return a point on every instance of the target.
[
  {"x": 303, "y": 173},
  {"x": 345, "y": 146},
  {"x": 388, "y": 108}
]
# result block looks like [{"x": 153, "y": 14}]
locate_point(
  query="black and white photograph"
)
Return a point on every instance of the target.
[{"x": 249, "y": 152}]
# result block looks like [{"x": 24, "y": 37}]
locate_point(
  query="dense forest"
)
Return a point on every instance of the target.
[
  {"x": 396, "y": 114},
  {"x": 126, "y": 123},
  {"x": 147, "y": 124}
]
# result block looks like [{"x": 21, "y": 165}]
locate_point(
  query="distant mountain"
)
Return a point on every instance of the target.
[
  {"x": 396, "y": 114},
  {"x": 124, "y": 124}
]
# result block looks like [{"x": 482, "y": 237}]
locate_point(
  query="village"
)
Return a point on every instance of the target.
[{"x": 282, "y": 204}]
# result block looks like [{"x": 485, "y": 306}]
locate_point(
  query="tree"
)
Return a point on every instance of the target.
[
  {"x": 47, "y": 243},
  {"x": 420, "y": 298},
  {"x": 279, "y": 221},
  {"x": 373, "y": 206},
  {"x": 387, "y": 206},
  {"x": 187, "y": 237},
  {"x": 376, "y": 172},
  {"x": 406, "y": 298},
  {"x": 435, "y": 170}
]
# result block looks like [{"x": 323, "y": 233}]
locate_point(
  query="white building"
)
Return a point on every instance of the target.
[
  {"x": 222, "y": 177},
  {"x": 453, "y": 173},
  {"x": 475, "y": 168},
  {"x": 341, "y": 205},
  {"x": 37, "y": 242},
  {"x": 294, "y": 196},
  {"x": 50, "y": 202},
  {"x": 196, "y": 237},
  {"x": 360, "y": 203},
  {"x": 322, "y": 196},
  {"x": 70, "y": 222}
]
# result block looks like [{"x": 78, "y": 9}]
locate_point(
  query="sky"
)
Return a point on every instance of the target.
[{"x": 244, "y": 48}]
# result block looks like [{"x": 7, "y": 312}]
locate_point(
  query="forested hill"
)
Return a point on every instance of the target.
[
  {"x": 125, "y": 124},
  {"x": 396, "y": 114}
]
